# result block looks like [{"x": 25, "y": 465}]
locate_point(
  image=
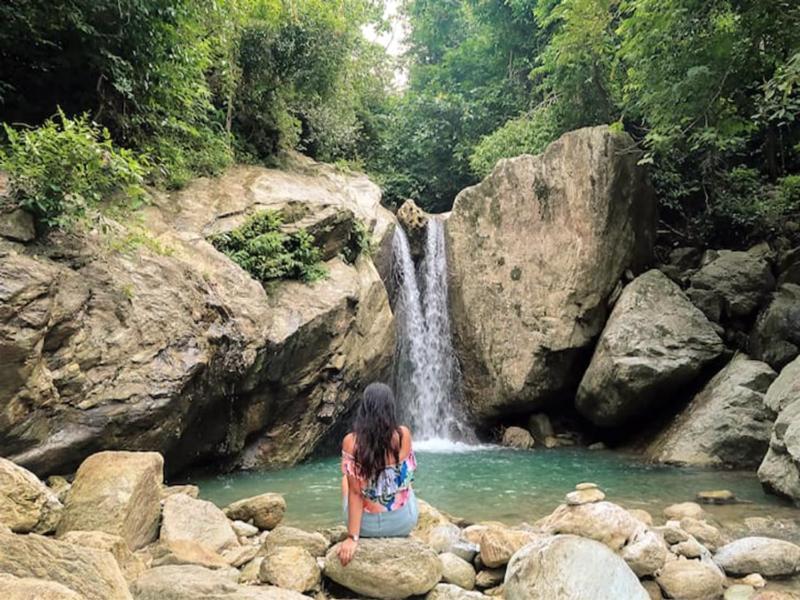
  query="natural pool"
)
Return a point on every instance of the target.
[{"x": 492, "y": 483}]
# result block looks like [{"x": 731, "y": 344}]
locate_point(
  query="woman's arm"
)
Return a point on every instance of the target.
[{"x": 355, "y": 508}]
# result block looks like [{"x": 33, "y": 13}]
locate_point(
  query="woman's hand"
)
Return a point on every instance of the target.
[{"x": 347, "y": 550}]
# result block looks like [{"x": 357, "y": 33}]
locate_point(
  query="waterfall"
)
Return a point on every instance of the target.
[{"x": 427, "y": 378}]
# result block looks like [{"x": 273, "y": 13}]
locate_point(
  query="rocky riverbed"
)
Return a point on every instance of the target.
[{"x": 115, "y": 531}]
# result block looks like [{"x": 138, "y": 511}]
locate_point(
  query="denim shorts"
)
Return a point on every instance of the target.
[{"x": 394, "y": 523}]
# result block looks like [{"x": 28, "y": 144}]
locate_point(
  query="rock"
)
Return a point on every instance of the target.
[
  {"x": 429, "y": 519},
  {"x": 654, "y": 344},
  {"x": 264, "y": 510},
  {"x": 685, "y": 509},
  {"x": 540, "y": 426},
  {"x": 59, "y": 486},
  {"x": 93, "y": 574},
  {"x": 653, "y": 589},
  {"x": 726, "y": 424},
  {"x": 27, "y": 588},
  {"x": 716, "y": 497},
  {"x": 597, "y": 446},
  {"x": 739, "y": 592},
  {"x": 498, "y": 544},
  {"x": 737, "y": 282},
  {"x": 754, "y": 580},
  {"x": 785, "y": 389},
  {"x": 290, "y": 567},
  {"x": 187, "y": 552},
  {"x": 706, "y": 534},
  {"x": 776, "y": 595},
  {"x": 244, "y": 530},
  {"x": 189, "y": 582},
  {"x": 587, "y": 496},
  {"x": 567, "y": 567},
  {"x": 314, "y": 543},
  {"x": 767, "y": 556},
  {"x": 386, "y": 568},
  {"x": 26, "y": 504},
  {"x": 465, "y": 550},
  {"x": 488, "y": 578},
  {"x": 119, "y": 493},
  {"x": 516, "y": 437},
  {"x": 525, "y": 313},
  {"x": 691, "y": 548},
  {"x": 250, "y": 571},
  {"x": 186, "y": 518},
  {"x": 447, "y": 591},
  {"x": 140, "y": 335},
  {"x": 457, "y": 571},
  {"x": 414, "y": 221},
  {"x": 641, "y": 515},
  {"x": 780, "y": 470},
  {"x": 690, "y": 580},
  {"x": 604, "y": 522},
  {"x": 131, "y": 565},
  {"x": 443, "y": 537},
  {"x": 672, "y": 533},
  {"x": 237, "y": 557},
  {"x": 170, "y": 490},
  {"x": 17, "y": 225},
  {"x": 776, "y": 336},
  {"x": 645, "y": 553},
  {"x": 586, "y": 485}
]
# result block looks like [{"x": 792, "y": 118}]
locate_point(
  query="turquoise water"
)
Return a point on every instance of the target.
[{"x": 512, "y": 486}]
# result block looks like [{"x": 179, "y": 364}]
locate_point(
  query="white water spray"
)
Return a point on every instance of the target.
[{"x": 426, "y": 371}]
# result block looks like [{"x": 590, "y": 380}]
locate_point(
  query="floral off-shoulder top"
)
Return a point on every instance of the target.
[{"x": 390, "y": 489}]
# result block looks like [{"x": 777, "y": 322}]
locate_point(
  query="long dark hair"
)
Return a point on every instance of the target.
[{"x": 374, "y": 428}]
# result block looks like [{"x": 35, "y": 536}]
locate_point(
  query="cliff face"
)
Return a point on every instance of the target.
[{"x": 140, "y": 335}]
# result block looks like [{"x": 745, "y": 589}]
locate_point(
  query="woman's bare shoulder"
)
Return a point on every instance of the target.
[{"x": 349, "y": 443}]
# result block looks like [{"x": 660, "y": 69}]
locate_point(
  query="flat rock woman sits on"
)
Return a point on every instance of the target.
[{"x": 378, "y": 465}]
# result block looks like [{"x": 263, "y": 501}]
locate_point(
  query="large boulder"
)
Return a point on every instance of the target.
[
  {"x": 731, "y": 284},
  {"x": 193, "y": 583},
  {"x": 26, "y": 504},
  {"x": 785, "y": 389},
  {"x": 655, "y": 343},
  {"x": 726, "y": 425},
  {"x": 186, "y": 518},
  {"x": 604, "y": 522},
  {"x": 26, "y": 588},
  {"x": 386, "y": 568},
  {"x": 91, "y": 573},
  {"x": 536, "y": 250},
  {"x": 291, "y": 568},
  {"x": 281, "y": 537},
  {"x": 119, "y": 493},
  {"x": 567, "y": 567},
  {"x": 776, "y": 336},
  {"x": 140, "y": 335},
  {"x": 414, "y": 221},
  {"x": 767, "y": 556},
  {"x": 265, "y": 510}
]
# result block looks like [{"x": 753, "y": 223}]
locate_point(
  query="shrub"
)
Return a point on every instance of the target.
[
  {"x": 59, "y": 170},
  {"x": 267, "y": 253}
]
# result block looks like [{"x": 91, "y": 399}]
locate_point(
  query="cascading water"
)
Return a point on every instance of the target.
[{"x": 426, "y": 371}]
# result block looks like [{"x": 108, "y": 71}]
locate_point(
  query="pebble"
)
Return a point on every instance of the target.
[
  {"x": 755, "y": 580},
  {"x": 739, "y": 592},
  {"x": 589, "y": 496},
  {"x": 586, "y": 486}
]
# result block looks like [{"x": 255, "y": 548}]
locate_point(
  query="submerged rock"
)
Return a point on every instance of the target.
[
  {"x": 767, "y": 556},
  {"x": 567, "y": 567},
  {"x": 536, "y": 250},
  {"x": 386, "y": 568},
  {"x": 655, "y": 343},
  {"x": 146, "y": 337},
  {"x": 726, "y": 425},
  {"x": 118, "y": 493},
  {"x": 26, "y": 504}
]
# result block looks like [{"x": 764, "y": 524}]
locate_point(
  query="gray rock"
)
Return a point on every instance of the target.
[
  {"x": 540, "y": 426},
  {"x": 17, "y": 225},
  {"x": 776, "y": 336},
  {"x": 265, "y": 510},
  {"x": 448, "y": 591},
  {"x": 536, "y": 250},
  {"x": 691, "y": 579},
  {"x": 457, "y": 571},
  {"x": 28, "y": 588},
  {"x": 785, "y": 389},
  {"x": 517, "y": 437},
  {"x": 314, "y": 543},
  {"x": 726, "y": 424},
  {"x": 200, "y": 521},
  {"x": 780, "y": 469},
  {"x": 655, "y": 343},
  {"x": 567, "y": 567},
  {"x": 767, "y": 556},
  {"x": 386, "y": 568},
  {"x": 146, "y": 337},
  {"x": 291, "y": 568},
  {"x": 735, "y": 283}
]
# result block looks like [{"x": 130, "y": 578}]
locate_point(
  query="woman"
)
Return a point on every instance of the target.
[{"x": 378, "y": 465}]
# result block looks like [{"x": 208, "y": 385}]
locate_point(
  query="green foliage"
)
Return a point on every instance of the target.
[
  {"x": 262, "y": 249},
  {"x": 527, "y": 134},
  {"x": 359, "y": 242},
  {"x": 66, "y": 166}
]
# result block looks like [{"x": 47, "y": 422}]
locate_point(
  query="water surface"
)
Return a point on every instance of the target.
[{"x": 512, "y": 486}]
